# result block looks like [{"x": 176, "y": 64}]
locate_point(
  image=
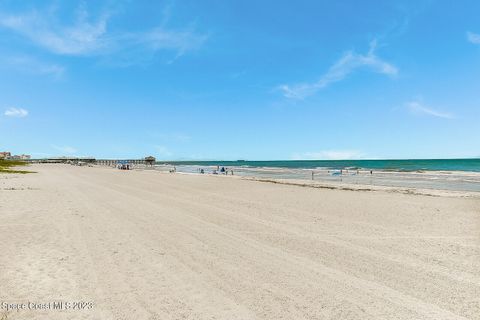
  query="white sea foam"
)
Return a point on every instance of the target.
[{"x": 442, "y": 180}]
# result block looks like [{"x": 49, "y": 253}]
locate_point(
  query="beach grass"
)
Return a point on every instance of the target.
[{"x": 7, "y": 166}]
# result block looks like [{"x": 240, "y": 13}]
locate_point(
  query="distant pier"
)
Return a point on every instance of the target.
[{"x": 87, "y": 160}]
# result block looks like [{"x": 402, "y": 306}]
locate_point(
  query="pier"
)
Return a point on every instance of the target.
[{"x": 148, "y": 161}]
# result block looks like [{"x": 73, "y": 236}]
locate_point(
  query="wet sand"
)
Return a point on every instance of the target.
[{"x": 153, "y": 245}]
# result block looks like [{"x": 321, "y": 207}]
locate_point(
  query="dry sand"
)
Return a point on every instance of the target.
[{"x": 150, "y": 245}]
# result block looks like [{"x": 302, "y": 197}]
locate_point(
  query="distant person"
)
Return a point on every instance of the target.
[
  {"x": 371, "y": 171},
  {"x": 202, "y": 171}
]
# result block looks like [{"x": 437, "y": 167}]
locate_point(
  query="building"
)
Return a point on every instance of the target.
[
  {"x": 5, "y": 155},
  {"x": 8, "y": 156},
  {"x": 20, "y": 157}
]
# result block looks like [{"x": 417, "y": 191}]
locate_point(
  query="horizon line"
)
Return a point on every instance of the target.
[{"x": 257, "y": 160}]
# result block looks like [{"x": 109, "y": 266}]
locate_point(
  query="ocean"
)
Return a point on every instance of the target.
[
  {"x": 472, "y": 165},
  {"x": 443, "y": 174}
]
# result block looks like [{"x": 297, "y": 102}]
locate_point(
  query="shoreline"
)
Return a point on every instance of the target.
[
  {"x": 434, "y": 182},
  {"x": 349, "y": 186},
  {"x": 372, "y": 188}
]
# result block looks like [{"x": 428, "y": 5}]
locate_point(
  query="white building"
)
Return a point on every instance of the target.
[
  {"x": 8, "y": 156},
  {"x": 5, "y": 155}
]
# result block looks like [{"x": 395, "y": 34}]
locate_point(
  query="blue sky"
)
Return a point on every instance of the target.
[{"x": 240, "y": 79}]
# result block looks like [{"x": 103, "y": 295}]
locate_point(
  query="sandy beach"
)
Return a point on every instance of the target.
[{"x": 113, "y": 244}]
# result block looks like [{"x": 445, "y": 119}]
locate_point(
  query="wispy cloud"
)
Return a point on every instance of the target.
[
  {"x": 80, "y": 38},
  {"x": 91, "y": 36},
  {"x": 16, "y": 112},
  {"x": 329, "y": 155},
  {"x": 473, "y": 37},
  {"x": 418, "y": 108},
  {"x": 31, "y": 65},
  {"x": 65, "y": 149},
  {"x": 350, "y": 62}
]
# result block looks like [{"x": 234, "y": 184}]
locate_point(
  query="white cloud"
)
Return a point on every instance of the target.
[
  {"x": 31, "y": 65},
  {"x": 80, "y": 38},
  {"x": 350, "y": 62},
  {"x": 418, "y": 108},
  {"x": 87, "y": 36},
  {"x": 329, "y": 155},
  {"x": 65, "y": 149},
  {"x": 16, "y": 112},
  {"x": 473, "y": 37}
]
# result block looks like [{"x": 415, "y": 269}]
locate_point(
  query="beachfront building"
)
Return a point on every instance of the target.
[
  {"x": 5, "y": 155},
  {"x": 8, "y": 156},
  {"x": 20, "y": 157}
]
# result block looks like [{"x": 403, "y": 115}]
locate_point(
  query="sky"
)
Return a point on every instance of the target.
[{"x": 227, "y": 80}]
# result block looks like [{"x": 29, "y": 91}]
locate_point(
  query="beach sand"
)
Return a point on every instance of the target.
[{"x": 151, "y": 245}]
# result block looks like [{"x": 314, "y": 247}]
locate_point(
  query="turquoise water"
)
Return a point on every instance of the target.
[{"x": 472, "y": 165}]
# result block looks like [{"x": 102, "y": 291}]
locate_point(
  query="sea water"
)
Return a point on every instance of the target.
[{"x": 445, "y": 174}]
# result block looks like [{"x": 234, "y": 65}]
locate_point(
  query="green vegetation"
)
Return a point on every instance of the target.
[{"x": 7, "y": 165}]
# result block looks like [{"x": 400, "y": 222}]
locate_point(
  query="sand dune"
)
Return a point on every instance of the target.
[{"x": 150, "y": 245}]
